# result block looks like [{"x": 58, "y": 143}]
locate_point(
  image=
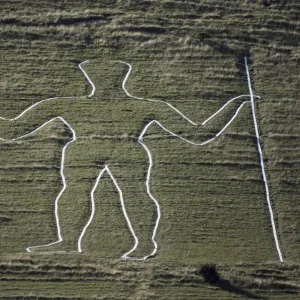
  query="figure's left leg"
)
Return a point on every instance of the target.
[{"x": 140, "y": 208}]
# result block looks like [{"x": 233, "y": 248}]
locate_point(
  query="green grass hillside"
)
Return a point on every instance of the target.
[{"x": 212, "y": 197}]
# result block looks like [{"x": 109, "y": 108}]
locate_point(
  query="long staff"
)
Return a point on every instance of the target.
[{"x": 262, "y": 165}]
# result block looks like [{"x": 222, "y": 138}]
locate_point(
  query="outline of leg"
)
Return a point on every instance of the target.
[
  {"x": 63, "y": 178},
  {"x": 136, "y": 240},
  {"x": 105, "y": 169}
]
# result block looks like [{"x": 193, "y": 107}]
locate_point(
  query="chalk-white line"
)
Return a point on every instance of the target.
[
  {"x": 140, "y": 140},
  {"x": 62, "y": 165},
  {"x": 222, "y": 107},
  {"x": 87, "y": 77},
  {"x": 53, "y": 98},
  {"x": 170, "y": 105},
  {"x": 93, "y": 210},
  {"x": 136, "y": 241},
  {"x": 59, "y": 235},
  {"x": 36, "y": 104},
  {"x": 152, "y": 100},
  {"x": 60, "y": 239},
  {"x": 106, "y": 169},
  {"x": 262, "y": 165}
]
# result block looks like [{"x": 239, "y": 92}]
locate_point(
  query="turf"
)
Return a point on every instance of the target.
[{"x": 189, "y": 53}]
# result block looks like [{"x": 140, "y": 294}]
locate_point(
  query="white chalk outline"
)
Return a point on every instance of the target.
[
  {"x": 140, "y": 140},
  {"x": 53, "y": 98},
  {"x": 60, "y": 239},
  {"x": 106, "y": 168},
  {"x": 74, "y": 138},
  {"x": 262, "y": 165}
]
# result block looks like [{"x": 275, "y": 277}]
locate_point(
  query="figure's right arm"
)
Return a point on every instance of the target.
[{"x": 28, "y": 121}]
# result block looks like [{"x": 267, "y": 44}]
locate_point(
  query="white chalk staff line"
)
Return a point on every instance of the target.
[
  {"x": 140, "y": 140},
  {"x": 263, "y": 165}
]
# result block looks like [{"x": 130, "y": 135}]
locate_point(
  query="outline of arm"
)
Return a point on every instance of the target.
[
  {"x": 48, "y": 99},
  {"x": 62, "y": 163},
  {"x": 181, "y": 114},
  {"x": 140, "y": 141},
  {"x": 186, "y": 140}
]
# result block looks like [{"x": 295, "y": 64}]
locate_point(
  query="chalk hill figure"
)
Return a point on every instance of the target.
[{"x": 107, "y": 137}]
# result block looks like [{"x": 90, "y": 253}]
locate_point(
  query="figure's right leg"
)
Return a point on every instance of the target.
[
  {"x": 72, "y": 207},
  {"x": 140, "y": 207}
]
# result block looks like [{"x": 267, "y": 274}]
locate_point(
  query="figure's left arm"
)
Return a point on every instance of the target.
[{"x": 177, "y": 124}]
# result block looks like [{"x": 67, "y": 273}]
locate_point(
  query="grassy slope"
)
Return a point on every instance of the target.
[{"x": 213, "y": 205}]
